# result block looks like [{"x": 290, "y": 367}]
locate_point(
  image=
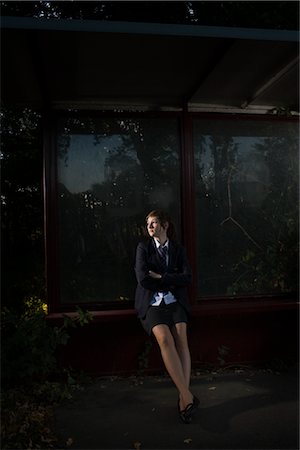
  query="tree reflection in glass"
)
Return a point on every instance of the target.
[
  {"x": 110, "y": 174},
  {"x": 247, "y": 211}
]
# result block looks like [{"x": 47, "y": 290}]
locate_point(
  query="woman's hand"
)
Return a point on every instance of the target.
[{"x": 156, "y": 276}]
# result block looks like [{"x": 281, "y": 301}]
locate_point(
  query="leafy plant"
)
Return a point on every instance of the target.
[
  {"x": 30, "y": 343},
  {"x": 143, "y": 358},
  {"x": 28, "y": 364},
  {"x": 27, "y": 414}
]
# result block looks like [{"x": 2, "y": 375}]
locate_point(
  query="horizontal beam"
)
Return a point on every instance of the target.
[
  {"x": 273, "y": 79},
  {"x": 158, "y": 29}
]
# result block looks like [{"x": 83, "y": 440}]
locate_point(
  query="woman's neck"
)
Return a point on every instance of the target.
[{"x": 162, "y": 240}]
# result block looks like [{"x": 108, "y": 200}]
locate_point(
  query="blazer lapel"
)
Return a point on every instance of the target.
[
  {"x": 156, "y": 258},
  {"x": 154, "y": 253},
  {"x": 171, "y": 254}
]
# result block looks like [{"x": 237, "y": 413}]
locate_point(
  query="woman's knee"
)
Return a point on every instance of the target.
[
  {"x": 163, "y": 336},
  {"x": 179, "y": 332}
]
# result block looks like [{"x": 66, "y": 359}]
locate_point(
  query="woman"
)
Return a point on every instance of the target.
[{"x": 161, "y": 301}]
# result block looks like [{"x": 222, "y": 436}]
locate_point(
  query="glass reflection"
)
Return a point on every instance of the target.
[
  {"x": 110, "y": 174},
  {"x": 247, "y": 213}
]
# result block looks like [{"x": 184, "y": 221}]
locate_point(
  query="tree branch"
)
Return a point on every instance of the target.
[{"x": 230, "y": 218}]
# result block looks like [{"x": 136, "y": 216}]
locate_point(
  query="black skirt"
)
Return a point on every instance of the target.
[{"x": 164, "y": 314}]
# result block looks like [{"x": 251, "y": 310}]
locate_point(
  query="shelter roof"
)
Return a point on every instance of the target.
[{"x": 86, "y": 63}]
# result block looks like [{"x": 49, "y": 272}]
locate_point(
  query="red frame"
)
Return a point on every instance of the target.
[
  {"x": 188, "y": 209},
  {"x": 50, "y": 213}
]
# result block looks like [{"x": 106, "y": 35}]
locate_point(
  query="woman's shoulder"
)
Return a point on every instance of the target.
[
  {"x": 145, "y": 243},
  {"x": 177, "y": 246}
]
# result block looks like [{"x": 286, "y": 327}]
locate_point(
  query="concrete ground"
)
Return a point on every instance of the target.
[{"x": 239, "y": 409}]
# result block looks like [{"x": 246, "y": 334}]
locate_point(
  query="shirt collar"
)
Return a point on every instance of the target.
[{"x": 157, "y": 243}]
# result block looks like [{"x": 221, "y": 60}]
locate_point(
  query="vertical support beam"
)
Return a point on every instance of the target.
[
  {"x": 188, "y": 196},
  {"x": 50, "y": 212}
]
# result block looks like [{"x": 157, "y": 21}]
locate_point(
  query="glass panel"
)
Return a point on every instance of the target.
[
  {"x": 111, "y": 173},
  {"x": 247, "y": 214}
]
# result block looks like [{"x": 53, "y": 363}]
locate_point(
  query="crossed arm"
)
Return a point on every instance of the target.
[{"x": 149, "y": 278}]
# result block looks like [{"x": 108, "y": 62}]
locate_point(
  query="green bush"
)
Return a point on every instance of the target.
[
  {"x": 29, "y": 368},
  {"x": 29, "y": 343},
  {"x": 27, "y": 414}
]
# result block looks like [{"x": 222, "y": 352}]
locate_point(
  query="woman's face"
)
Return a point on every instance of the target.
[{"x": 155, "y": 229}]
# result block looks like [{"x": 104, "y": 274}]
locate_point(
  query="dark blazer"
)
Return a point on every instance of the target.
[{"x": 176, "y": 279}]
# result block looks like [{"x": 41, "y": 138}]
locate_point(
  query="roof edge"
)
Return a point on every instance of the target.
[{"x": 52, "y": 24}]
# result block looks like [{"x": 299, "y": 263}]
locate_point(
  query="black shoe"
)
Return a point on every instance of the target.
[
  {"x": 186, "y": 414},
  {"x": 196, "y": 402}
]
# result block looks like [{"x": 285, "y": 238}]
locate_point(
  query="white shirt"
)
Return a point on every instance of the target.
[{"x": 159, "y": 296}]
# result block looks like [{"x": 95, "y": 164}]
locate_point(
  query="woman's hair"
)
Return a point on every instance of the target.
[{"x": 164, "y": 217}]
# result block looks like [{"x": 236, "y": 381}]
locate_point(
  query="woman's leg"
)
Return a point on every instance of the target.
[
  {"x": 179, "y": 332},
  {"x": 173, "y": 363}
]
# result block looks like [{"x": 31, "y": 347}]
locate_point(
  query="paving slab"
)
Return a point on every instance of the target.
[{"x": 239, "y": 409}]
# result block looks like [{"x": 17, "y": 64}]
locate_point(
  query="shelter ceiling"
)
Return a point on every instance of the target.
[{"x": 43, "y": 68}]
